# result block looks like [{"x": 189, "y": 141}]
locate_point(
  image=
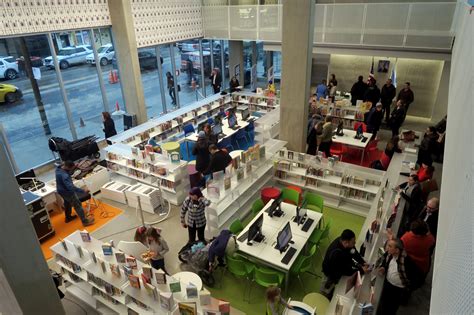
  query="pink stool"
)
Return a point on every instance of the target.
[{"x": 269, "y": 193}]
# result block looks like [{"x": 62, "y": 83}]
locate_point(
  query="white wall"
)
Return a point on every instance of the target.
[{"x": 453, "y": 281}]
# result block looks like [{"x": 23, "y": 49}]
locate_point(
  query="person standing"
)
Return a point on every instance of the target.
[
  {"x": 158, "y": 248},
  {"x": 170, "y": 84},
  {"x": 326, "y": 137},
  {"x": 194, "y": 206},
  {"x": 397, "y": 117},
  {"x": 211, "y": 138},
  {"x": 429, "y": 214},
  {"x": 66, "y": 189},
  {"x": 234, "y": 84},
  {"x": 314, "y": 137},
  {"x": 322, "y": 90},
  {"x": 358, "y": 90},
  {"x": 374, "y": 120},
  {"x": 332, "y": 86},
  {"x": 399, "y": 270},
  {"x": 201, "y": 151},
  {"x": 386, "y": 97},
  {"x": 216, "y": 80},
  {"x": 109, "y": 125},
  {"x": 412, "y": 193},
  {"x": 220, "y": 159},
  {"x": 427, "y": 146},
  {"x": 372, "y": 94},
  {"x": 341, "y": 259},
  {"x": 406, "y": 95}
]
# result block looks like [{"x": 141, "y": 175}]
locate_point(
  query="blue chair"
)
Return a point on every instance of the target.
[
  {"x": 210, "y": 121},
  {"x": 188, "y": 129},
  {"x": 240, "y": 136},
  {"x": 226, "y": 143},
  {"x": 250, "y": 129}
]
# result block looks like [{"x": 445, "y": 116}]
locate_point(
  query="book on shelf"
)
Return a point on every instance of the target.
[
  {"x": 224, "y": 307},
  {"x": 205, "y": 297},
  {"x": 218, "y": 176},
  {"x": 290, "y": 155},
  {"x": 131, "y": 262},
  {"x": 191, "y": 291},
  {"x": 93, "y": 257},
  {"x": 107, "y": 249},
  {"x": 85, "y": 236},
  {"x": 175, "y": 286},
  {"x": 160, "y": 277},
  {"x": 175, "y": 157},
  {"x": 213, "y": 189},
  {"x": 148, "y": 271},
  {"x": 145, "y": 278},
  {"x": 166, "y": 300},
  {"x": 79, "y": 250},
  {"x": 134, "y": 281},
  {"x": 103, "y": 266},
  {"x": 115, "y": 269},
  {"x": 63, "y": 243},
  {"x": 127, "y": 270},
  {"x": 240, "y": 173},
  {"x": 151, "y": 290},
  {"x": 120, "y": 257},
  {"x": 366, "y": 309},
  {"x": 236, "y": 162},
  {"x": 187, "y": 308},
  {"x": 248, "y": 168},
  {"x": 261, "y": 152},
  {"x": 227, "y": 182}
]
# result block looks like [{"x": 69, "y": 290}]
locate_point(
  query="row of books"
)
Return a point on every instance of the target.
[
  {"x": 356, "y": 194},
  {"x": 75, "y": 267}
]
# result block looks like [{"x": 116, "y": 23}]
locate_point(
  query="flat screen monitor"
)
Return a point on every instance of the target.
[
  {"x": 255, "y": 229},
  {"x": 232, "y": 121},
  {"x": 217, "y": 129},
  {"x": 24, "y": 177},
  {"x": 275, "y": 206},
  {"x": 245, "y": 114},
  {"x": 340, "y": 127},
  {"x": 284, "y": 237},
  {"x": 300, "y": 213},
  {"x": 360, "y": 131}
]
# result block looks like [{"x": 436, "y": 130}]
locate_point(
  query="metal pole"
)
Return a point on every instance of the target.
[
  {"x": 8, "y": 149},
  {"x": 211, "y": 43},
  {"x": 61, "y": 87},
  {"x": 160, "y": 77},
  {"x": 141, "y": 210},
  {"x": 173, "y": 67},
  {"x": 223, "y": 63},
  {"x": 99, "y": 72},
  {"x": 203, "y": 85}
]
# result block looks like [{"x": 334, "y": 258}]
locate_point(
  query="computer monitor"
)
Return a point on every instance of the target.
[
  {"x": 360, "y": 131},
  {"x": 340, "y": 128},
  {"x": 284, "y": 238},
  {"x": 274, "y": 209},
  {"x": 25, "y": 177},
  {"x": 300, "y": 213},
  {"x": 255, "y": 231},
  {"x": 217, "y": 129},
  {"x": 232, "y": 120},
  {"x": 245, "y": 114}
]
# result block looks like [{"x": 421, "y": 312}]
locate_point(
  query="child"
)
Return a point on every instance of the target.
[
  {"x": 275, "y": 303},
  {"x": 140, "y": 235},
  {"x": 158, "y": 248}
]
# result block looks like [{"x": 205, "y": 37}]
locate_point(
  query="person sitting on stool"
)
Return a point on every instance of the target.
[{"x": 68, "y": 192}]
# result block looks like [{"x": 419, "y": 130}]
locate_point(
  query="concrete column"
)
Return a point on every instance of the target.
[
  {"x": 127, "y": 57},
  {"x": 254, "y": 53},
  {"x": 236, "y": 56},
  {"x": 21, "y": 258},
  {"x": 440, "y": 108},
  {"x": 296, "y": 54}
]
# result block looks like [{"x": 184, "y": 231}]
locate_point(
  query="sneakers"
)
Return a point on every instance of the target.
[
  {"x": 88, "y": 222},
  {"x": 69, "y": 219}
]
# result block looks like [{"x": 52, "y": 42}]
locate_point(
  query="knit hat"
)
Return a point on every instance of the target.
[
  {"x": 196, "y": 191},
  {"x": 378, "y": 104},
  {"x": 201, "y": 135}
]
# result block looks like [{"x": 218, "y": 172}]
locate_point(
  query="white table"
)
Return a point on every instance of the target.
[
  {"x": 265, "y": 252},
  {"x": 187, "y": 277},
  {"x": 349, "y": 140},
  {"x": 301, "y": 305}
]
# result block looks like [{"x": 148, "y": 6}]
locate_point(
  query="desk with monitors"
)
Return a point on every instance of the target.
[{"x": 276, "y": 241}]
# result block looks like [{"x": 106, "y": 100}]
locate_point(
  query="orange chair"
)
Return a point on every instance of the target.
[
  {"x": 338, "y": 149},
  {"x": 358, "y": 123},
  {"x": 385, "y": 160},
  {"x": 370, "y": 149}
]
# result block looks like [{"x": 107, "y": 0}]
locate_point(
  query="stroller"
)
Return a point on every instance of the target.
[
  {"x": 76, "y": 149},
  {"x": 199, "y": 256}
]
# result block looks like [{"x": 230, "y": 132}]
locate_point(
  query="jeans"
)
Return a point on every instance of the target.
[
  {"x": 390, "y": 299},
  {"x": 72, "y": 201},
  {"x": 200, "y": 232},
  {"x": 327, "y": 287},
  {"x": 326, "y": 148},
  {"x": 158, "y": 264},
  {"x": 172, "y": 95}
]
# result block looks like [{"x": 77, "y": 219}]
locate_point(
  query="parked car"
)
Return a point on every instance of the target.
[
  {"x": 146, "y": 59},
  {"x": 9, "y": 93},
  {"x": 193, "y": 45},
  {"x": 106, "y": 53},
  {"x": 8, "y": 68},
  {"x": 69, "y": 56}
]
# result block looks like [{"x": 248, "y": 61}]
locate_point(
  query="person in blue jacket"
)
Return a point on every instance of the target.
[{"x": 66, "y": 189}]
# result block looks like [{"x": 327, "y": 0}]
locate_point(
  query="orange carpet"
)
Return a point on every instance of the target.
[{"x": 63, "y": 229}]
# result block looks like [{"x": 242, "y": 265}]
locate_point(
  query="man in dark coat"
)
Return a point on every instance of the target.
[
  {"x": 386, "y": 97},
  {"x": 406, "y": 95},
  {"x": 358, "y": 90},
  {"x": 372, "y": 94}
]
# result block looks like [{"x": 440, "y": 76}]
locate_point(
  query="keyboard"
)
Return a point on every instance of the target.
[
  {"x": 243, "y": 237},
  {"x": 307, "y": 225},
  {"x": 364, "y": 139},
  {"x": 289, "y": 254}
]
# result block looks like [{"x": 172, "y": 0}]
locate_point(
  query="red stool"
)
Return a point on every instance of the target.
[
  {"x": 194, "y": 176},
  {"x": 269, "y": 193}
]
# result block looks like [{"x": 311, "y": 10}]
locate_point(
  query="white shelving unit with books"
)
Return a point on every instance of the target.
[{"x": 345, "y": 186}]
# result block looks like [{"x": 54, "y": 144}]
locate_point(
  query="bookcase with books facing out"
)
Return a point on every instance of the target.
[
  {"x": 112, "y": 282},
  {"x": 343, "y": 110},
  {"x": 230, "y": 192},
  {"x": 154, "y": 169},
  {"x": 345, "y": 186},
  {"x": 256, "y": 102}
]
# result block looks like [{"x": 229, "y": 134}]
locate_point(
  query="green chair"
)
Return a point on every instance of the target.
[
  {"x": 314, "y": 202},
  {"x": 304, "y": 264},
  {"x": 318, "y": 235},
  {"x": 317, "y": 301},
  {"x": 289, "y": 195},
  {"x": 236, "y": 227},
  {"x": 240, "y": 269},
  {"x": 257, "y": 206},
  {"x": 267, "y": 277}
]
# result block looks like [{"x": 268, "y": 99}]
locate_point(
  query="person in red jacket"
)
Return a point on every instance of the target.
[
  {"x": 418, "y": 243},
  {"x": 425, "y": 172}
]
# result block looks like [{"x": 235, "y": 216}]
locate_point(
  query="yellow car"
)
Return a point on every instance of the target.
[{"x": 9, "y": 93}]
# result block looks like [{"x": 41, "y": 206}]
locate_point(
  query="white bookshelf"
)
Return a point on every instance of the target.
[
  {"x": 86, "y": 290},
  {"x": 174, "y": 185},
  {"x": 345, "y": 186},
  {"x": 256, "y": 102},
  {"x": 345, "y": 111},
  {"x": 268, "y": 126}
]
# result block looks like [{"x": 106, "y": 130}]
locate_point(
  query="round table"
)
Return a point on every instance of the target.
[
  {"x": 318, "y": 301},
  {"x": 187, "y": 277},
  {"x": 171, "y": 147},
  {"x": 268, "y": 193},
  {"x": 301, "y": 305}
]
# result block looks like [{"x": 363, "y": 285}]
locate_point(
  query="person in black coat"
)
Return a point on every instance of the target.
[
  {"x": 109, "y": 125},
  {"x": 406, "y": 95},
  {"x": 374, "y": 120},
  {"x": 358, "y": 90},
  {"x": 372, "y": 94},
  {"x": 397, "y": 117},
  {"x": 201, "y": 151},
  {"x": 386, "y": 97},
  {"x": 216, "y": 80},
  {"x": 219, "y": 160},
  {"x": 429, "y": 214},
  {"x": 234, "y": 84},
  {"x": 427, "y": 145},
  {"x": 412, "y": 193}
]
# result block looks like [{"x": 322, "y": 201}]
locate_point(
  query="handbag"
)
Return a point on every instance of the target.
[{"x": 179, "y": 88}]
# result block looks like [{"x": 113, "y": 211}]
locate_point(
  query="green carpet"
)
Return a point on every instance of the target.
[{"x": 232, "y": 288}]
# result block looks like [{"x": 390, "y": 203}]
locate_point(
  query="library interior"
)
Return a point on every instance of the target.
[{"x": 236, "y": 157}]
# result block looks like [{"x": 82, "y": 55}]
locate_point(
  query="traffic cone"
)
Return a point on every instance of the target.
[
  {"x": 115, "y": 76},
  {"x": 111, "y": 77},
  {"x": 81, "y": 122}
]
